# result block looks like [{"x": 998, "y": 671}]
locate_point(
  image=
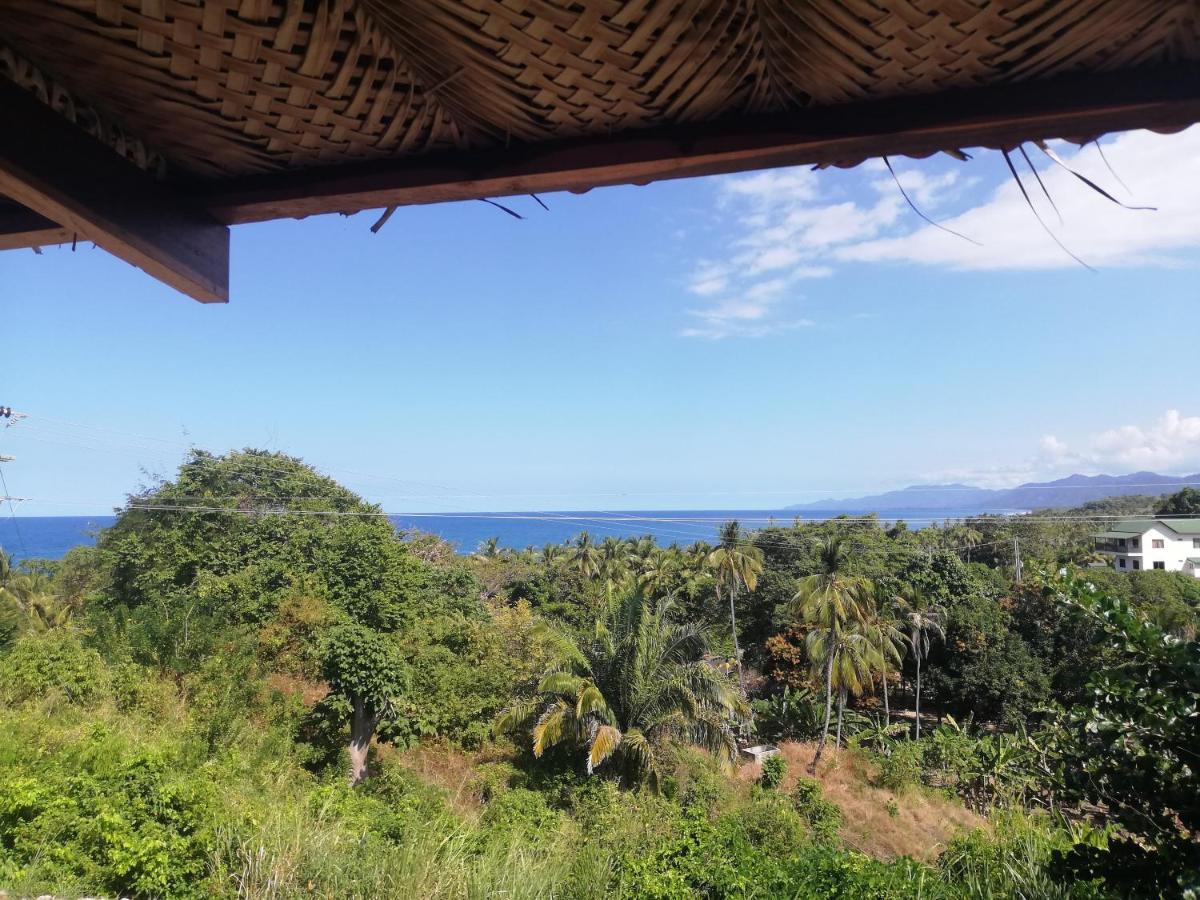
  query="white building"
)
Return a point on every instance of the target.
[{"x": 1135, "y": 544}]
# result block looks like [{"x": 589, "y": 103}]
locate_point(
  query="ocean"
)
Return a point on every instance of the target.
[{"x": 50, "y": 537}]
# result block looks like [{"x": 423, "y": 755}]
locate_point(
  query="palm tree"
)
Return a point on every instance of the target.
[
  {"x": 640, "y": 682},
  {"x": 32, "y": 595},
  {"x": 585, "y": 558},
  {"x": 883, "y": 629},
  {"x": 735, "y": 562},
  {"x": 854, "y": 657},
  {"x": 551, "y": 554},
  {"x": 921, "y": 623},
  {"x": 614, "y": 554},
  {"x": 490, "y": 548},
  {"x": 830, "y": 601}
]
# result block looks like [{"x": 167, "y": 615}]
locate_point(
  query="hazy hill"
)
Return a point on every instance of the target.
[{"x": 1074, "y": 490}]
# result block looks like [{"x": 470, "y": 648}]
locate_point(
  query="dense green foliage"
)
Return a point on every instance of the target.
[{"x": 180, "y": 705}]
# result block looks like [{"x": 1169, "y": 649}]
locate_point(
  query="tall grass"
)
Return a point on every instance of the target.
[{"x": 294, "y": 855}]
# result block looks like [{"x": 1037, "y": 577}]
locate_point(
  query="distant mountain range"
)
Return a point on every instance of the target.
[{"x": 1074, "y": 490}]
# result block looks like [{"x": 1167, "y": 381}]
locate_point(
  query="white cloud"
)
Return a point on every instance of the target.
[
  {"x": 773, "y": 187},
  {"x": 784, "y": 228},
  {"x": 785, "y": 223},
  {"x": 1168, "y": 446},
  {"x": 1164, "y": 170}
]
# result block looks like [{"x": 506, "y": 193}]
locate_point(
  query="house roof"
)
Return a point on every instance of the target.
[
  {"x": 1136, "y": 527},
  {"x": 246, "y": 110}
]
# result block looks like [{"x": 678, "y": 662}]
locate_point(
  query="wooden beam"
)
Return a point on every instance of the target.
[
  {"x": 20, "y": 228},
  {"x": 61, "y": 173},
  {"x": 995, "y": 116}
]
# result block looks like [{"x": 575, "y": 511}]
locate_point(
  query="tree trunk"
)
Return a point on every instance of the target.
[
  {"x": 837, "y": 744},
  {"x": 737, "y": 653},
  {"x": 828, "y": 709},
  {"x": 917, "y": 700},
  {"x": 887, "y": 710},
  {"x": 362, "y": 729}
]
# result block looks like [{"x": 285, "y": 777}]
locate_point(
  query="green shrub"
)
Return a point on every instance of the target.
[
  {"x": 1013, "y": 861},
  {"x": 772, "y": 824},
  {"x": 774, "y": 768},
  {"x": 718, "y": 859},
  {"x": 520, "y": 810},
  {"x": 903, "y": 767},
  {"x": 137, "y": 830},
  {"x": 139, "y": 689},
  {"x": 823, "y": 817},
  {"x": 53, "y": 662}
]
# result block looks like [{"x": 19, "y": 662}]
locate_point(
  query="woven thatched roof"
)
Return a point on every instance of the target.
[{"x": 234, "y": 103}]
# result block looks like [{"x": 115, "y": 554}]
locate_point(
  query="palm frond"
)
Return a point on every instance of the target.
[
  {"x": 604, "y": 744},
  {"x": 516, "y": 718},
  {"x": 560, "y": 683},
  {"x": 590, "y": 701},
  {"x": 551, "y": 728}
]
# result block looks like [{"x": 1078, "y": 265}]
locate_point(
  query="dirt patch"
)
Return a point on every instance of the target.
[
  {"x": 308, "y": 692},
  {"x": 877, "y": 821},
  {"x": 447, "y": 767}
]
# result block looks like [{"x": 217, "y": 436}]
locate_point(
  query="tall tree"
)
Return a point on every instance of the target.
[
  {"x": 1182, "y": 503},
  {"x": 1130, "y": 749},
  {"x": 585, "y": 557},
  {"x": 883, "y": 628},
  {"x": 830, "y": 601},
  {"x": 921, "y": 623},
  {"x": 637, "y": 684},
  {"x": 735, "y": 563},
  {"x": 854, "y": 659},
  {"x": 614, "y": 563},
  {"x": 364, "y": 667}
]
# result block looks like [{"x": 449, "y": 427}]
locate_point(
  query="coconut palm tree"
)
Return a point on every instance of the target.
[
  {"x": 855, "y": 659},
  {"x": 921, "y": 623},
  {"x": 883, "y": 627},
  {"x": 614, "y": 563},
  {"x": 735, "y": 562},
  {"x": 585, "y": 558},
  {"x": 32, "y": 595},
  {"x": 831, "y": 600},
  {"x": 639, "y": 683}
]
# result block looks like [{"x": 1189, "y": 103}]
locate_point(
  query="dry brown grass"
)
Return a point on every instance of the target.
[
  {"x": 923, "y": 823},
  {"x": 307, "y": 692},
  {"x": 443, "y": 765}
]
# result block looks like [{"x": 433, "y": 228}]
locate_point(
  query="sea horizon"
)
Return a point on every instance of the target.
[{"x": 51, "y": 537}]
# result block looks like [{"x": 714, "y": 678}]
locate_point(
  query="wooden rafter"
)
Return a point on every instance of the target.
[
  {"x": 997, "y": 116},
  {"x": 63, "y": 175},
  {"x": 21, "y": 228}
]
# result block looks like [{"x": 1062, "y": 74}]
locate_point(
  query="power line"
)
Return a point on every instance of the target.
[{"x": 12, "y": 512}]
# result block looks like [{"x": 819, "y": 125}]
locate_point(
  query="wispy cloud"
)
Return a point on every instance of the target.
[
  {"x": 785, "y": 230},
  {"x": 1164, "y": 170},
  {"x": 789, "y": 224}
]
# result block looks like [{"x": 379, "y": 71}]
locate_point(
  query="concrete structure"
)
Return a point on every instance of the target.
[{"x": 1136, "y": 544}]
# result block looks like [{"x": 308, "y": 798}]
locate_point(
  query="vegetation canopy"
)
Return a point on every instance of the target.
[{"x": 253, "y": 686}]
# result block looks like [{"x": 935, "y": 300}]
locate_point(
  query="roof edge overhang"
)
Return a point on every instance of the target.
[{"x": 1077, "y": 108}]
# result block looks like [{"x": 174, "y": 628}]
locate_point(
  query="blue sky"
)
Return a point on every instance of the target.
[{"x": 733, "y": 342}]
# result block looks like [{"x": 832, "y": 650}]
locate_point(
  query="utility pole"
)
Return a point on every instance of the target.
[{"x": 1017, "y": 557}]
